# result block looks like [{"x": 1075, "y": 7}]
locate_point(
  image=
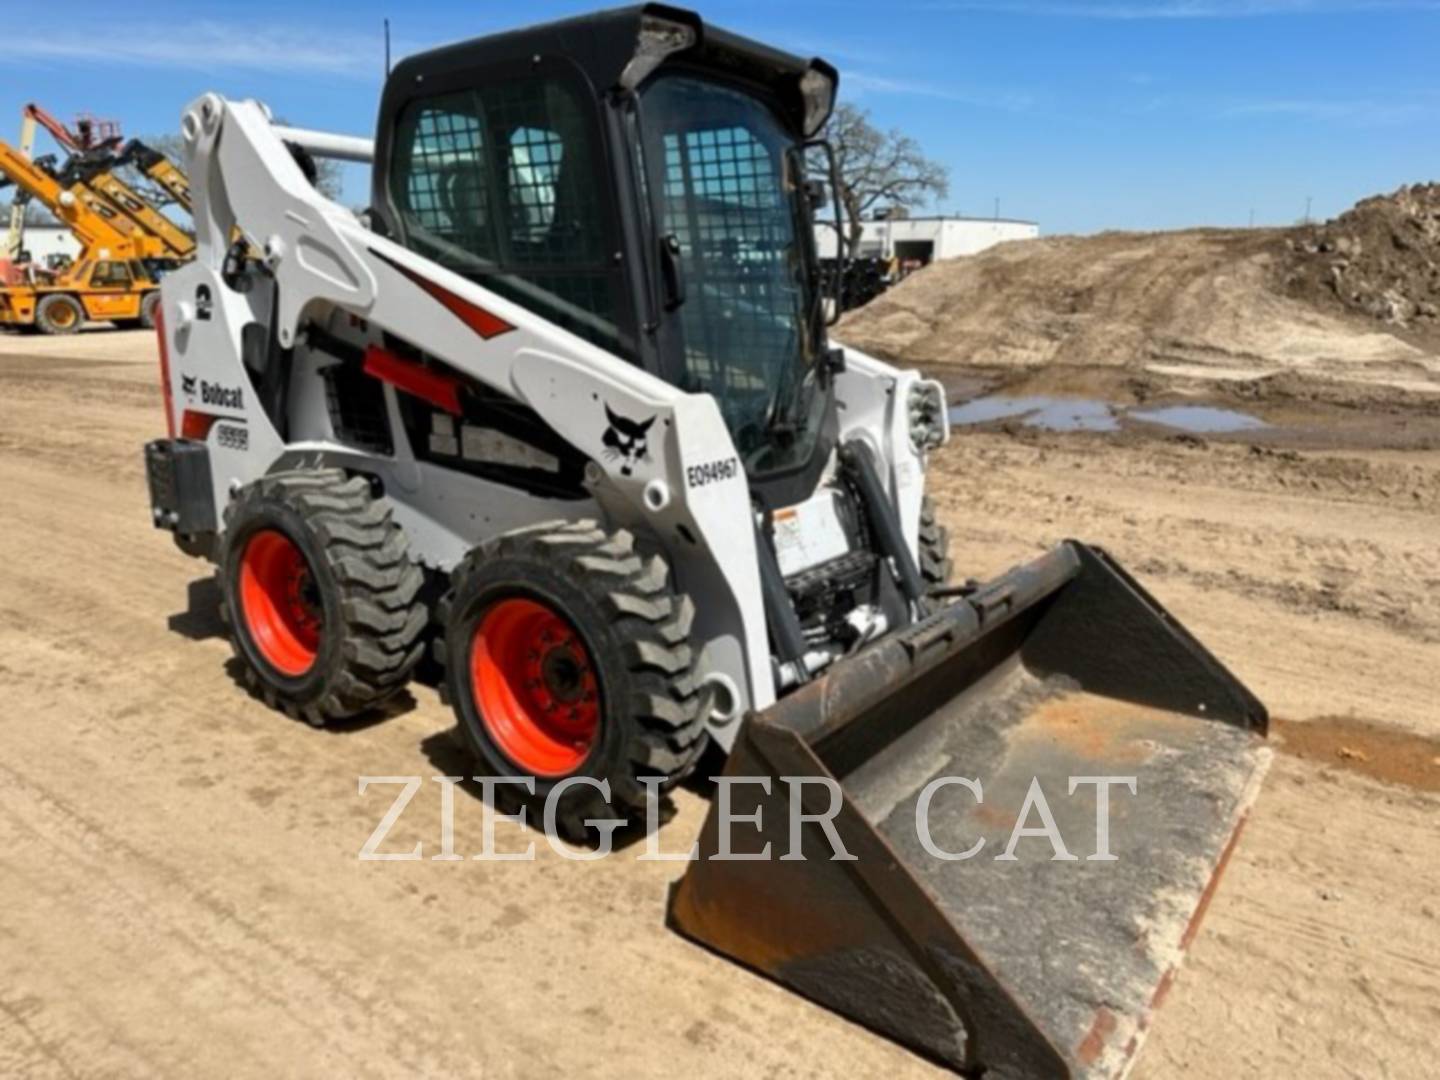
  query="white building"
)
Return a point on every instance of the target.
[
  {"x": 42, "y": 241},
  {"x": 921, "y": 240}
]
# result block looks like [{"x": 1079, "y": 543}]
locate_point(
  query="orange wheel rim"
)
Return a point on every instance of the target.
[
  {"x": 280, "y": 602},
  {"x": 64, "y": 315},
  {"x": 535, "y": 687}
]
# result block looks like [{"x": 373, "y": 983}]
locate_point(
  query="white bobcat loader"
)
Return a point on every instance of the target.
[{"x": 564, "y": 408}]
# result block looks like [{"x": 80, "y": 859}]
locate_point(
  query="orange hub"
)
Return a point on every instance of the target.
[
  {"x": 535, "y": 687},
  {"x": 280, "y": 602}
]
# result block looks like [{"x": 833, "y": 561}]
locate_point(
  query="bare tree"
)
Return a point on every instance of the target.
[
  {"x": 35, "y": 214},
  {"x": 879, "y": 169}
]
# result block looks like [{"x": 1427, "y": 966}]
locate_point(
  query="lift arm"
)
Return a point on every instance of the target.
[
  {"x": 159, "y": 168},
  {"x": 100, "y": 174},
  {"x": 79, "y": 214}
]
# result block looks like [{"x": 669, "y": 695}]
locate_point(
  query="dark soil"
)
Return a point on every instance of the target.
[{"x": 1380, "y": 259}]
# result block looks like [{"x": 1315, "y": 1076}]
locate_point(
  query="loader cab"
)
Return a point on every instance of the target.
[{"x": 639, "y": 179}]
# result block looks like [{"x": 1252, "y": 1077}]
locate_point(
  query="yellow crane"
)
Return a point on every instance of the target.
[
  {"x": 108, "y": 281},
  {"x": 101, "y": 176},
  {"x": 157, "y": 167},
  {"x": 127, "y": 242}
]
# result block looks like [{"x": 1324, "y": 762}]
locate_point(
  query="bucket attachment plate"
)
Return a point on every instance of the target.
[{"x": 1012, "y": 968}]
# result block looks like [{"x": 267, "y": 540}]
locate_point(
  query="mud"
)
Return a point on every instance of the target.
[{"x": 1365, "y": 747}]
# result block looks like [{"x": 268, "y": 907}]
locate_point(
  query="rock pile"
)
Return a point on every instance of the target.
[{"x": 1381, "y": 258}]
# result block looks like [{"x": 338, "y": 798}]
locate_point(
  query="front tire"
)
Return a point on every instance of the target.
[
  {"x": 935, "y": 564},
  {"x": 567, "y": 654},
  {"x": 320, "y": 595},
  {"x": 59, "y": 314}
]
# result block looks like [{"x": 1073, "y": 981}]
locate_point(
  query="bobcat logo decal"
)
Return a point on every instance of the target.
[
  {"x": 187, "y": 384},
  {"x": 627, "y": 440}
]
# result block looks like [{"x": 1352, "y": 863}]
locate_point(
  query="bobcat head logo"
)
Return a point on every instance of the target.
[
  {"x": 187, "y": 384},
  {"x": 627, "y": 440}
]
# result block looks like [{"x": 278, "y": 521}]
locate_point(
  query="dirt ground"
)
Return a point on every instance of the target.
[
  {"x": 179, "y": 887},
  {"x": 1354, "y": 301}
]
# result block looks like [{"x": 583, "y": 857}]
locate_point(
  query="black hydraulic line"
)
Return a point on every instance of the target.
[
  {"x": 859, "y": 462},
  {"x": 785, "y": 629}
]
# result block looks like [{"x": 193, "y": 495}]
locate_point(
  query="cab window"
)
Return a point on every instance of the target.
[
  {"x": 110, "y": 274},
  {"x": 499, "y": 183}
]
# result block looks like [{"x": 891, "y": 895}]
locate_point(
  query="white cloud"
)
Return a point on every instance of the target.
[
  {"x": 208, "y": 46},
  {"x": 860, "y": 83},
  {"x": 1366, "y": 113}
]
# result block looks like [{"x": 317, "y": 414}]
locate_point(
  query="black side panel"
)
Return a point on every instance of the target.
[{"x": 181, "y": 495}]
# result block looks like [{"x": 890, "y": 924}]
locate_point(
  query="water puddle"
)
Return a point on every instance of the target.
[
  {"x": 1087, "y": 414},
  {"x": 1201, "y": 419},
  {"x": 1050, "y": 413}
]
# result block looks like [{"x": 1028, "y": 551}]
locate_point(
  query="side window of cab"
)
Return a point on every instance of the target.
[
  {"x": 110, "y": 274},
  {"x": 500, "y": 182}
]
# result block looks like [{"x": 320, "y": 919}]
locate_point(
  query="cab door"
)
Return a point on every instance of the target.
[{"x": 111, "y": 294}]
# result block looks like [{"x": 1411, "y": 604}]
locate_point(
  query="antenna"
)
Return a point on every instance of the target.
[{"x": 387, "y": 48}]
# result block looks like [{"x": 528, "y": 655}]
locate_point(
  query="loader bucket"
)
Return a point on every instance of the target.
[{"x": 1025, "y": 968}]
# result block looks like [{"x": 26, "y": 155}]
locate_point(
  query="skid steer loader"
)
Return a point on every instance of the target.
[{"x": 565, "y": 406}]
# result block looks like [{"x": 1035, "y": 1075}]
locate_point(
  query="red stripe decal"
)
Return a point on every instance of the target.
[
  {"x": 165, "y": 368},
  {"x": 196, "y": 425},
  {"x": 436, "y": 387},
  {"x": 476, "y": 318}
]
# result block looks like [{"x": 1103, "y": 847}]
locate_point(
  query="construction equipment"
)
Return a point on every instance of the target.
[
  {"x": 108, "y": 282},
  {"x": 99, "y": 174},
  {"x": 15, "y": 234},
  {"x": 89, "y": 136},
  {"x": 155, "y": 166},
  {"x": 127, "y": 243},
  {"x": 95, "y": 161},
  {"x": 565, "y": 405}
]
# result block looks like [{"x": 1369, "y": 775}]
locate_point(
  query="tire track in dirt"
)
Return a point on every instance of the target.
[{"x": 245, "y": 938}]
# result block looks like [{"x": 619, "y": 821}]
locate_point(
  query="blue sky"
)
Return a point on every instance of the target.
[{"x": 1081, "y": 114}]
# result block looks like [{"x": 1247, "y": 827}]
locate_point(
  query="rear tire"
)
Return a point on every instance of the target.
[
  {"x": 149, "y": 305},
  {"x": 59, "y": 314},
  {"x": 320, "y": 594},
  {"x": 567, "y": 654},
  {"x": 935, "y": 564}
]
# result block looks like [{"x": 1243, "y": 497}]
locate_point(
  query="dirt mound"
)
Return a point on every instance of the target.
[
  {"x": 1200, "y": 303},
  {"x": 1381, "y": 259}
]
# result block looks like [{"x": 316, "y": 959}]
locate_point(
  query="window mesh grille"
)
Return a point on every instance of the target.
[
  {"x": 498, "y": 184},
  {"x": 445, "y": 189},
  {"x": 725, "y": 205}
]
